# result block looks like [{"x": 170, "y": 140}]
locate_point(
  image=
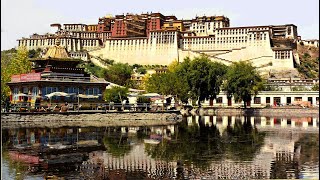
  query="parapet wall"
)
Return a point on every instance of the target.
[
  {"x": 84, "y": 120},
  {"x": 160, "y": 54},
  {"x": 159, "y": 48},
  {"x": 273, "y": 112}
]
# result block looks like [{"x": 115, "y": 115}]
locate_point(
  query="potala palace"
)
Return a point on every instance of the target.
[{"x": 153, "y": 38}]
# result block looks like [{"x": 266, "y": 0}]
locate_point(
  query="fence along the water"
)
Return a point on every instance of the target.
[{"x": 27, "y": 107}]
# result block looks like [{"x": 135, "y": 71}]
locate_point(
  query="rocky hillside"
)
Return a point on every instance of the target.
[{"x": 309, "y": 61}]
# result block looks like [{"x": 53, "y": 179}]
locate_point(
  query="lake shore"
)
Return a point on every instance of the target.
[
  {"x": 85, "y": 120},
  {"x": 267, "y": 112},
  {"x": 141, "y": 118}
]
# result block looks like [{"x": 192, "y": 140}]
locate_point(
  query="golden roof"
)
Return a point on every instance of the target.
[{"x": 57, "y": 52}]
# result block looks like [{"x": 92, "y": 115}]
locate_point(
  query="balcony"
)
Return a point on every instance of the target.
[{"x": 66, "y": 78}]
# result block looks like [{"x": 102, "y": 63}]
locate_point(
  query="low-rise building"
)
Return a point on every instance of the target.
[
  {"x": 56, "y": 72},
  {"x": 291, "y": 84},
  {"x": 267, "y": 98},
  {"x": 310, "y": 42}
]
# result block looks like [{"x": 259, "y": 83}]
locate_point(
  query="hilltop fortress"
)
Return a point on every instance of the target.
[{"x": 153, "y": 38}]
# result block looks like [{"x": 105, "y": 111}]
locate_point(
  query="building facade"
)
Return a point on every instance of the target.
[
  {"x": 268, "y": 98},
  {"x": 55, "y": 72},
  {"x": 153, "y": 38},
  {"x": 309, "y": 42},
  {"x": 206, "y": 25}
]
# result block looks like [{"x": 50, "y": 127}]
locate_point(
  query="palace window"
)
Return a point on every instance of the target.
[
  {"x": 15, "y": 91},
  {"x": 93, "y": 91},
  {"x": 219, "y": 100},
  {"x": 48, "y": 90},
  {"x": 297, "y": 98},
  {"x": 35, "y": 91},
  {"x": 25, "y": 90},
  {"x": 288, "y": 100},
  {"x": 257, "y": 100},
  {"x": 268, "y": 100}
]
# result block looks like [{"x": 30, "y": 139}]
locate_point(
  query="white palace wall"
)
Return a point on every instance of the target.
[
  {"x": 226, "y": 46},
  {"x": 255, "y": 47},
  {"x": 160, "y": 48}
]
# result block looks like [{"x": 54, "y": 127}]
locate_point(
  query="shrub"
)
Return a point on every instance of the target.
[{"x": 143, "y": 99}]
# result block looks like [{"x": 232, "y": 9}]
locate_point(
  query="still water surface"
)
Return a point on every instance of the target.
[{"x": 206, "y": 147}]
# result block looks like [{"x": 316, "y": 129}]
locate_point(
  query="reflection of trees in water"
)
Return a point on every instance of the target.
[
  {"x": 5, "y": 137},
  {"x": 284, "y": 167},
  {"x": 17, "y": 169},
  {"x": 200, "y": 143},
  {"x": 135, "y": 174},
  {"x": 243, "y": 140},
  {"x": 20, "y": 159},
  {"x": 306, "y": 151},
  {"x": 308, "y": 145},
  {"x": 195, "y": 144},
  {"x": 143, "y": 133},
  {"x": 116, "y": 142},
  {"x": 288, "y": 165}
]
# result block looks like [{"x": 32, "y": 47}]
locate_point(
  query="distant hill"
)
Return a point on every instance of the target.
[
  {"x": 6, "y": 56},
  {"x": 309, "y": 61}
]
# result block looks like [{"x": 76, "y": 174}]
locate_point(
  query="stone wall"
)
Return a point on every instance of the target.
[
  {"x": 84, "y": 120},
  {"x": 273, "y": 112},
  {"x": 159, "y": 49}
]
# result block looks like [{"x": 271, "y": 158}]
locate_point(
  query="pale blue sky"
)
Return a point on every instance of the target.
[{"x": 21, "y": 18}]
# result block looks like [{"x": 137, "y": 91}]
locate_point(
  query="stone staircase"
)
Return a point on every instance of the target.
[
  {"x": 228, "y": 62},
  {"x": 96, "y": 60}
]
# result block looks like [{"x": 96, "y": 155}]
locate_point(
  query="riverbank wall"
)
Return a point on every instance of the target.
[
  {"x": 267, "y": 112},
  {"x": 141, "y": 118},
  {"x": 85, "y": 120}
]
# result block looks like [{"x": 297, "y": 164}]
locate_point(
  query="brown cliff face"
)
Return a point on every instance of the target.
[
  {"x": 309, "y": 61},
  {"x": 312, "y": 51}
]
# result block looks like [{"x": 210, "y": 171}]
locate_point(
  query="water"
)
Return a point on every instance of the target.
[{"x": 207, "y": 147}]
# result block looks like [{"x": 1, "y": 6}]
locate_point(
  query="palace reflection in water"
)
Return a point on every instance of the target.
[{"x": 209, "y": 147}]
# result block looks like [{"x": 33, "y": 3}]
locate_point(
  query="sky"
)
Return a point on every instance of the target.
[{"x": 22, "y": 18}]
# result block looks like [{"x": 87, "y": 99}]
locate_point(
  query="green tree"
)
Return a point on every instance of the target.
[
  {"x": 242, "y": 82},
  {"x": 243, "y": 140},
  {"x": 14, "y": 63},
  {"x": 143, "y": 99},
  {"x": 108, "y": 61},
  {"x": 152, "y": 84},
  {"x": 116, "y": 94},
  {"x": 182, "y": 72},
  {"x": 315, "y": 87},
  {"x": 136, "y": 66},
  {"x": 198, "y": 144},
  {"x": 173, "y": 82},
  {"x": 199, "y": 78},
  {"x": 93, "y": 69},
  {"x": 142, "y": 70},
  {"x": 173, "y": 66},
  {"x": 34, "y": 53},
  {"x": 299, "y": 88},
  {"x": 116, "y": 144},
  {"x": 204, "y": 77},
  {"x": 167, "y": 83},
  {"x": 119, "y": 73},
  {"x": 20, "y": 62}
]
